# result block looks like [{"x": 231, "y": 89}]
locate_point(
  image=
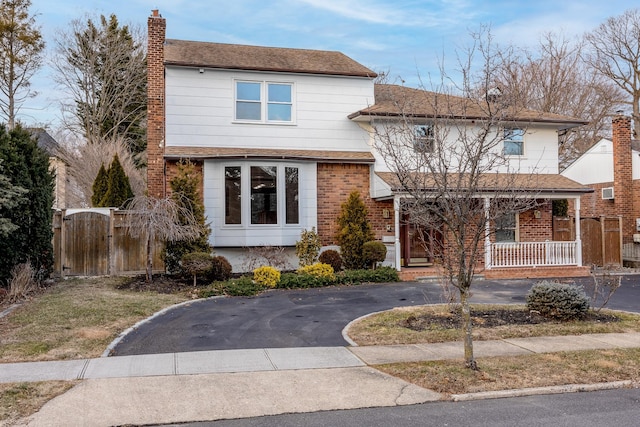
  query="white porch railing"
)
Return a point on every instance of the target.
[{"x": 532, "y": 254}]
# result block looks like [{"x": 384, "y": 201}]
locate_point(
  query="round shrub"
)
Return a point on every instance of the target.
[
  {"x": 331, "y": 257},
  {"x": 196, "y": 263},
  {"x": 557, "y": 300},
  {"x": 318, "y": 270},
  {"x": 266, "y": 276},
  {"x": 220, "y": 269},
  {"x": 374, "y": 252}
]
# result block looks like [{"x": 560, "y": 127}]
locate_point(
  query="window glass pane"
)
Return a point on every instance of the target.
[
  {"x": 232, "y": 195},
  {"x": 291, "y": 195},
  {"x": 279, "y": 93},
  {"x": 264, "y": 195},
  {"x": 247, "y": 91},
  {"x": 248, "y": 110},
  {"x": 514, "y": 142},
  {"x": 279, "y": 112},
  {"x": 506, "y": 228}
]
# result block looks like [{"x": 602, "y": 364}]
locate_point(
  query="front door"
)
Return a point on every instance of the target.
[{"x": 419, "y": 245}]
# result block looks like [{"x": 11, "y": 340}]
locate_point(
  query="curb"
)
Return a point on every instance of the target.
[{"x": 534, "y": 391}]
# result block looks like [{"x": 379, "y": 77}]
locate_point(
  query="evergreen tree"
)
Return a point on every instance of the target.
[
  {"x": 118, "y": 187},
  {"x": 184, "y": 187},
  {"x": 100, "y": 185},
  {"x": 354, "y": 231},
  {"x": 10, "y": 197},
  {"x": 26, "y": 166},
  {"x": 102, "y": 65}
]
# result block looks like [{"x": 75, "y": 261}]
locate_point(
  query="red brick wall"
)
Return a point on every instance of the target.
[
  {"x": 335, "y": 182},
  {"x": 622, "y": 177},
  {"x": 155, "y": 105},
  {"x": 532, "y": 229}
]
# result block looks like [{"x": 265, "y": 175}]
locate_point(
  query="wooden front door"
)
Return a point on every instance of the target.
[{"x": 419, "y": 245}]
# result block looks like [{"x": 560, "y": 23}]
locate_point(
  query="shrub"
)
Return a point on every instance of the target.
[
  {"x": 331, "y": 257},
  {"x": 308, "y": 247},
  {"x": 354, "y": 230},
  {"x": 557, "y": 300},
  {"x": 374, "y": 252},
  {"x": 266, "y": 276},
  {"x": 22, "y": 282},
  {"x": 220, "y": 269},
  {"x": 380, "y": 275},
  {"x": 243, "y": 286},
  {"x": 274, "y": 256},
  {"x": 195, "y": 263},
  {"x": 318, "y": 270},
  {"x": 301, "y": 281}
]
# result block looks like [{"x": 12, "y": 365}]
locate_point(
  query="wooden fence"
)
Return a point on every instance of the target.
[
  {"x": 95, "y": 242},
  {"x": 601, "y": 238}
]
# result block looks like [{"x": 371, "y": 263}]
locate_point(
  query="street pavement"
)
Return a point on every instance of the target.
[{"x": 176, "y": 387}]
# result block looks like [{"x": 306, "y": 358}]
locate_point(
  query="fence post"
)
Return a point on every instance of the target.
[{"x": 111, "y": 249}]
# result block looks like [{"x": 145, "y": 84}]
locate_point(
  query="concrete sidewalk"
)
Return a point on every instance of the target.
[{"x": 212, "y": 385}]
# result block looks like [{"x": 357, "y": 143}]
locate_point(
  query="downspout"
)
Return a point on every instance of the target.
[{"x": 396, "y": 218}]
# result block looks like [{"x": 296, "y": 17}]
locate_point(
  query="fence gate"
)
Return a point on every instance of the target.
[
  {"x": 601, "y": 238},
  {"x": 95, "y": 242},
  {"x": 85, "y": 243}
]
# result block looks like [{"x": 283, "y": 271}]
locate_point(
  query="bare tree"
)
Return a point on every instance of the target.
[
  {"x": 554, "y": 78},
  {"x": 151, "y": 219},
  {"x": 84, "y": 161},
  {"x": 102, "y": 67},
  {"x": 614, "y": 52},
  {"x": 451, "y": 169},
  {"x": 21, "y": 47}
]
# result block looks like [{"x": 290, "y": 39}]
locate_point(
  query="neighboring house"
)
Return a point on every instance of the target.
[
  {"x": 282, "y": 136},
  {"x": 612, "y": 168},
  {"x": 57, "y": 165}
]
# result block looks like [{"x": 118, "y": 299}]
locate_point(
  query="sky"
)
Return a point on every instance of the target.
[{"x": 406, "y": 39}]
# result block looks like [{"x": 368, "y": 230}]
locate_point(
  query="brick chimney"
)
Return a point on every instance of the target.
[
  {"x": 156, "y": 25},
  {"x": 622, "y": 175}
]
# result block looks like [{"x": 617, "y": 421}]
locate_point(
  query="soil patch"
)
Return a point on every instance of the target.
[{"x": 163, "y": 284}]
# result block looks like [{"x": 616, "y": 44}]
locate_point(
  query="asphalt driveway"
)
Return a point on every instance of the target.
[{"x": 309, "y": 317}]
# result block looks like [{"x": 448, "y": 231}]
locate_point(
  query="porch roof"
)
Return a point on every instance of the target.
[
  {"x": 267, "y": 153},
  {"x": 493, "y": 182}
]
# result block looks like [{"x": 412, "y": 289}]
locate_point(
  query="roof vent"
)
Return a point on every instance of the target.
[{"x": 607, "y": 193}]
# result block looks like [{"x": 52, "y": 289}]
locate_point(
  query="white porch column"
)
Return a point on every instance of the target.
[
  {"x": 578, "y": 239},
  {"x": 396, "y": 226},
  {"x": 487, "y": 233}
]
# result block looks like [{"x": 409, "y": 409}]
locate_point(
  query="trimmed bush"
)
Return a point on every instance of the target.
[
  {"x": 308, "y": 247},
  {"x": 318, "y": 270},
  {"x": 196, "y": 263},
  {"x": 354, "y": 230},
  {"x": 374, "y": 252},
  {"x": 303, "y": 281},
  {"x": 557, "y": 300},
  {"x": 266, "y": 276},
  {"x": 220, "y": 269},
  {"x": 380, "y": 275},
  {"x": 333, "y": 258}
]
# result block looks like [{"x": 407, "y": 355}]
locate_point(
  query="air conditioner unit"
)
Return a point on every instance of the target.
[{"x": 607, "y": 193}]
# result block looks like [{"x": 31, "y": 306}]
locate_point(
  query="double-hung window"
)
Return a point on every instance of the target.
[
  {"x": 506, "y": 226},
  {"x": 271, "y": 194},
  {"x": 513, "y": 141},
  {"x": 264, "y": 102}
]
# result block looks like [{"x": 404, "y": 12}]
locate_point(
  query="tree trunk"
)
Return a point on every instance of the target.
[
  {"x": 469, "y": 360},
  {"x": 149, "y": 259}
]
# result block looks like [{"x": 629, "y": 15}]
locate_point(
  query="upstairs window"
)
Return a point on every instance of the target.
[
  {"x": 424, "y": 139},
  {"x": 264, "y": 102},
  {"x": 513, "y": 142}
]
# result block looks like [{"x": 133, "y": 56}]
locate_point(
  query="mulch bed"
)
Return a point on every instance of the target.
[
  {"x": 490, "y": 318},
  {"x": 163, "y": 284}
]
